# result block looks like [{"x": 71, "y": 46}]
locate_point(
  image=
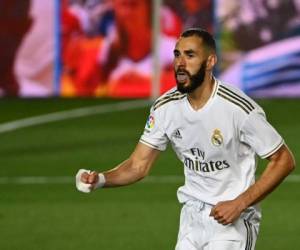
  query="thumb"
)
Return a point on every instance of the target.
[
  {"x": 93, "y": 178},
  {"x": 212, "y": 211}
]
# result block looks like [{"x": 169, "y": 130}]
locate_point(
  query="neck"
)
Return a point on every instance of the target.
[{"x": 201, "y": 95}]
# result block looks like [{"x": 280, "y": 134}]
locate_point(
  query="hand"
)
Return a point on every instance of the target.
[
  {"x": 89, "y": 178},
  {"x": 86, "y": 180},
  {"x": 226, "y": 212}
]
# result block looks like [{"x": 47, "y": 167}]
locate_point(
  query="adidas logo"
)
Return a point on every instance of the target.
[{"x": 176, "y": 134}]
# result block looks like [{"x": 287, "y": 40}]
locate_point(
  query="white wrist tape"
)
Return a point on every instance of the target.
[
  {"x": 101, "y": 181},
  {"x": 85, "y": 187}
]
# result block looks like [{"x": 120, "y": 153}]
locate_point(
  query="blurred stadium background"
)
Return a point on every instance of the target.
[{"x": 74, "y": 97}]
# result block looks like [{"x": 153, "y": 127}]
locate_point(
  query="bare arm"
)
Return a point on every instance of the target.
[
  {"x": 135, "y": 168},
  {"x": 281, "y": 164}
]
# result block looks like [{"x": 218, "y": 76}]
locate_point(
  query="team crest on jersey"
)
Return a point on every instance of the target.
[
  {"x": 217, "y": 138},
  {"x": 150, "y": 123}
]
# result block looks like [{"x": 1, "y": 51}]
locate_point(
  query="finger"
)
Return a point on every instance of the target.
[
  {"x": 225, "y": 222},
  {"x": 216, "y": 213},
  {"x": 212, "y": 212},
  {"x": 93, "y": 178},
  {"x": 84, "y": 177},
  {"x": 218, "y": 216}
]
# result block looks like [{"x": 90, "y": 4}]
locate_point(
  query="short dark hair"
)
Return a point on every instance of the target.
[{"x": 207, "y": 38}]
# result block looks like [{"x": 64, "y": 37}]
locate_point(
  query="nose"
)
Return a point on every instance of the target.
[{"x": 180, "y": 61}]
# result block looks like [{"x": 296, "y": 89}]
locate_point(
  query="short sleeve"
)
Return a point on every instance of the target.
[
  {"x": 260, "y": 134},
  {"x": 154, "y": 135}
]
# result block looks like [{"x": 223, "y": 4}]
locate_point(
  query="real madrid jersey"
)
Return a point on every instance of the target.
[{"x": 216, "y": 144}]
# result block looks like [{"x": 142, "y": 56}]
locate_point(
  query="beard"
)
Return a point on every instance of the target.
[{"x": 195, "y": 80}]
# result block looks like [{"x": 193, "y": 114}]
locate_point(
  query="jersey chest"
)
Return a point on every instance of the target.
[{"x": 209, "y": 135}]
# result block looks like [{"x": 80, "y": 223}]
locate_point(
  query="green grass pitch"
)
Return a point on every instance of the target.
[{"x": 143, "y": 216}]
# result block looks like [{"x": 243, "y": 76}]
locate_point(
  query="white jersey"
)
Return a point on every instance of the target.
[{"x": 216, "y": 144}]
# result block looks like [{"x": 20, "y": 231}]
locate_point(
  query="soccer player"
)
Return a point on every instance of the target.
[{"x": 216, "y": 131}]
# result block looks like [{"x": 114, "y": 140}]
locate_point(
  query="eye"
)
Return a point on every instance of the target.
[{"x": 176, "y": 54}]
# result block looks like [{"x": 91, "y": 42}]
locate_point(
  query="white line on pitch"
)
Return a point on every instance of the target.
[
  {"x": 73, "y": 113},
  {"x": 23, "y": 180}
]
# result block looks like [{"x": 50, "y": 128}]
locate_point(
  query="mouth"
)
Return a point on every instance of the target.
[{"x": 182, "y": 76}]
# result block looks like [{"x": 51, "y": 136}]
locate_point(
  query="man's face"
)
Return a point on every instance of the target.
[{"x": 189, "y": 63}]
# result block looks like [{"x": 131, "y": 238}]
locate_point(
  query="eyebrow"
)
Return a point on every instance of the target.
[{"x": 188, "y": 51}]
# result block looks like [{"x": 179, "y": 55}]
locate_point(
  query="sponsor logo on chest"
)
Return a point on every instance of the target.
[
  {"x": 196, "y": 161},
  {"x": 195, "y": 158}
]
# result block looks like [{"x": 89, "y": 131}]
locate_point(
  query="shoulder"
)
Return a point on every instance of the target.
[
  {"x": 167, "y": 99},
  {"x": 236, "y": 98}
]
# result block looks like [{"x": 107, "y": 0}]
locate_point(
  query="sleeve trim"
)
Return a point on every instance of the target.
[
  {"x": 273, "y": 150},
  {"x": 150, "y": 144}
]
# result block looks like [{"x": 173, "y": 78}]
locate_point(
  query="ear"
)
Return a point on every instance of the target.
[{"x": 211, "y": 61}]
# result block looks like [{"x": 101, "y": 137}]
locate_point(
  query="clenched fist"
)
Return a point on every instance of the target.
[{"x": 87, "y": 180}]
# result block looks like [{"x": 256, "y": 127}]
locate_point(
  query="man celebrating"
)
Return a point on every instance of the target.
[{"x": 216, "y": 131}]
